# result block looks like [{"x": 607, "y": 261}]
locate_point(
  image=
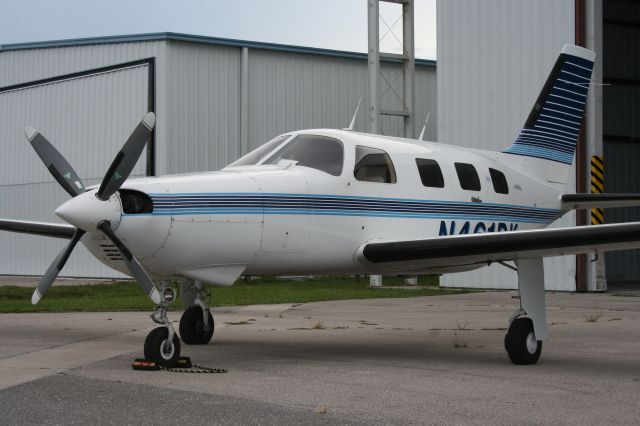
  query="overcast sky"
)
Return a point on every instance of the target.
[{"x": 330, "y": 24}]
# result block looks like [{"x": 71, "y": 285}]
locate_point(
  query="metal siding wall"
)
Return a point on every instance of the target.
[
  {"x": 290, "y": 92},
  {"x": 18, "y": 66},
  {"x": 87, "y": 119},
  {"x": 493, "y": 59},
  {"x": 204, "y": 88}
]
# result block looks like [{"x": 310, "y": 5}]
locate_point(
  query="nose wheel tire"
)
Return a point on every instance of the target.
[
  {"x": 193, "y": 330},
  {"x": 157, "y": 347},
  {"x": 521, "y": 344}
]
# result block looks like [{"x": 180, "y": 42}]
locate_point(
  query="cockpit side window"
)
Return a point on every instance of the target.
[
  {"x": 256, "y": 155},
  {"x": 317, "y": 152},
  {"x": 373, "y": 165}
]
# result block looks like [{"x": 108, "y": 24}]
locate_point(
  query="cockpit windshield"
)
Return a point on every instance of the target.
[
  {"x": 318, "y": 152},
  {"x": 257, "y": 154}
]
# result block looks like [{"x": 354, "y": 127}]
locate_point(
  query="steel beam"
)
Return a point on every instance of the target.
[{"x": 374, "y": 64}]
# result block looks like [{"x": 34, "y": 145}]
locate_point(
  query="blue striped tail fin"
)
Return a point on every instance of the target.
[{"x": 552, "y": 129}]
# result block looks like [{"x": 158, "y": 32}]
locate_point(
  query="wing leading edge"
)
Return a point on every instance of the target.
[{"x": 458, "y": 250}]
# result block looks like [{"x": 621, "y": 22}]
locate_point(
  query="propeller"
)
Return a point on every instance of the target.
[
  {"x": 92, "y": 207},
  {"x": 126, "y": 159},
  {"x": 55, "y": 268},
  {"x": 55, "y": 162}
]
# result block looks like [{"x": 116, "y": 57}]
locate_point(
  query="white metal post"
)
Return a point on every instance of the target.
[
  {"x": 409, "y": 71},
  {"x": 374, "y": 64},
  {"x": 244, "y": 102}
]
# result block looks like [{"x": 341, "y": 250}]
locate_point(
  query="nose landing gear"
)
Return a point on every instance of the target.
[
  {"x": 196, "y": 325},
  {"x": 162, "y": 344}
]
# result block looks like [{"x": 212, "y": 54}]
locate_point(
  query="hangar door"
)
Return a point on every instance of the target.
[
  {"x": 621, "y": 127},
  {"x": 87, "y": 116}
]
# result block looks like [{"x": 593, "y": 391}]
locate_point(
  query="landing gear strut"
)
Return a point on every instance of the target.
[
  {"x": 527, "y": 325},
  {"x": 196, "y": 325},
  {"x": 162, "y": 344}
]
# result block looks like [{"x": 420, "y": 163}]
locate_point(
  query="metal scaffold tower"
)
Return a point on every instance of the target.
[
  {"x": 376, "y": 77},
  {"x": 380, "y": 86}
]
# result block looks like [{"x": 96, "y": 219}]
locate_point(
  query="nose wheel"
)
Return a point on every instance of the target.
[
  {"x": 162, "y": 344},
  {"x": 159, "y": 348}
]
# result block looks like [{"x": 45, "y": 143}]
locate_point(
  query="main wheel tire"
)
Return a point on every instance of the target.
[
  {"x": 521, "y": 344},
  {"x": 192, "y": 328},
  {"x": 155, "y": 347}
]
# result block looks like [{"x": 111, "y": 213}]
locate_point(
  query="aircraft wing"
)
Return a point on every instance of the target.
[
  {"x": 604, "y": 200},
  {"x": 460, "y": 250},
  {"x": 55, "y": 230}
]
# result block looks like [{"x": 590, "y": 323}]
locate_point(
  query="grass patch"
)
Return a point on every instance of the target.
[{"x": 127, "y": 296}]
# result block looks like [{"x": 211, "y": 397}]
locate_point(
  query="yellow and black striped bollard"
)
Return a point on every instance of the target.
[{"x": 597, "y": 187}]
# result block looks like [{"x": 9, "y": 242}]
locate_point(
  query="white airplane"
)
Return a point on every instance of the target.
[{"x": 340, "y": 202}]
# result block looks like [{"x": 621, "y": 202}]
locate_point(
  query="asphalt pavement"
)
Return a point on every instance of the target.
[{"x": 426, "y": 360}]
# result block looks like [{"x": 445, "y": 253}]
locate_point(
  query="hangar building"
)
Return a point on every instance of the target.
[
  {"x": 215, "y": 99},
  {"x": 493, "y": 59}
]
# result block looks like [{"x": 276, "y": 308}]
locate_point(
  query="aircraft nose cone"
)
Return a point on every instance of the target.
[{"x": 85, "y": 211}]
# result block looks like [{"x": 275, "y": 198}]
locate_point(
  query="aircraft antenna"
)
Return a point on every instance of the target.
[
  {"x": 355, "y": 114},
  {"x": 424, "y": 127}
]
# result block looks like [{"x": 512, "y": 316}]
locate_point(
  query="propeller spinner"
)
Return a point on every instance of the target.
[{"x": 92, "y": 210}]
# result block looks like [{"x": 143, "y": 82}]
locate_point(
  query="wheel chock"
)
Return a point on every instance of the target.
[
  {"x": 145, "y": 365},
  {"x": 183, "y": 362}
]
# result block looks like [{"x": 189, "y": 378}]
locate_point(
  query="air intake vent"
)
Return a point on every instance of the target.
[
  {"x": 135, "y": 202},
  {"x": 110, "y": 251}
]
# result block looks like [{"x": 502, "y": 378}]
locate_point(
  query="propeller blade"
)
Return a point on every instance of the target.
[
  {"x": 132, "y": 263},
  {"x": 126, "y": 159},
  {"x": 59, "y": 168},
  {"x": 55, "y": 268}
]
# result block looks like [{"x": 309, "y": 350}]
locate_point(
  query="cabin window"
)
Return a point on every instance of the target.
[
  {"x": 468, "y": 176},
  {"x": 499, "y": 181},
  {"x": 373, "y": 165},
  {"x": 430, "y": 173},
  {"x": 317, "y": 152},
  {"x": 257, "y": 154}
]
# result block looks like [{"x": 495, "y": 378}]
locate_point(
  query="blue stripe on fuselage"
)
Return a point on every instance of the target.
[{"x": 336, "y": 205}]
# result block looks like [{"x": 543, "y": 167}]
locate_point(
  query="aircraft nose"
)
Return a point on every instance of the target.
[{"x": 85, "y": 211}]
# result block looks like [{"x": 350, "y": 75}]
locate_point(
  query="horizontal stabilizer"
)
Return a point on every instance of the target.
[
  {"x": 605, "y": 201},
  {"x": 448, "y": 251},
  {"x": 45, "y": 229}
]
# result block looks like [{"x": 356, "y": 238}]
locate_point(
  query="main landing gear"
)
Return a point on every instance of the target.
[
  {"x": 527, "y": 326},
  {"x": 196, "y": 325}
]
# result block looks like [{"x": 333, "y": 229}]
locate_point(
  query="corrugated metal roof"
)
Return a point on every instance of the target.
[{"x": 189, "y": 38}]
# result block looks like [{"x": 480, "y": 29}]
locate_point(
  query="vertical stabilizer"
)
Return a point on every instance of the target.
[{"x": 552, "y": 128}]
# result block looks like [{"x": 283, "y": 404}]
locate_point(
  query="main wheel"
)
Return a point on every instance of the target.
[
  {"x": 193, "y": 331},
  {"x": 521, "y": 344},
  {"x": 158, "y": 349}
]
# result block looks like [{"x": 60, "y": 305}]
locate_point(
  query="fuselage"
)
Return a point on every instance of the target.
[{"x": 311, "y": 210}]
